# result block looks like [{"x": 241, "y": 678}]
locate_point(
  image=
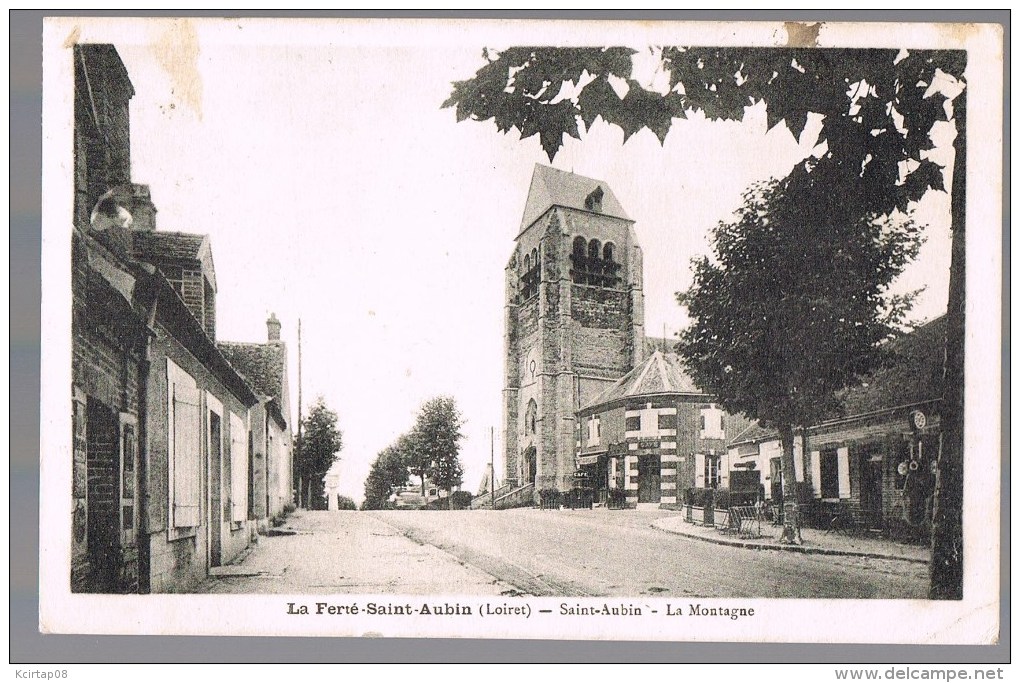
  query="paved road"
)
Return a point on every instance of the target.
[
  {"x": 608, "y": 552},
  {"x": 545, "y": 553},
  {"x": 348, "y": 553}
]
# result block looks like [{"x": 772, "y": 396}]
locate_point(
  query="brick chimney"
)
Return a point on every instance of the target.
[{"x": 273, "y": 328}]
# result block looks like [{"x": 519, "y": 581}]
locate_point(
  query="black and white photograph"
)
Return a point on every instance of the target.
[{"x": 522, "y": 329}]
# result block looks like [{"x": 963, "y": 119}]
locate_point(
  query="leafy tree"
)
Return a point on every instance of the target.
[
  {"x": 346, "y": 503},
  {"x": 776, "y": 342},
  {"x": 877, "y": 108},
  {"x": 388, "y": 471},
  {"x": 320, "y": 444},
  {"x": 435, "y": 444}
]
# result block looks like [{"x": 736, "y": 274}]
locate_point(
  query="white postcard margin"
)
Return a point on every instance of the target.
[{"x": 973, "y": 620}]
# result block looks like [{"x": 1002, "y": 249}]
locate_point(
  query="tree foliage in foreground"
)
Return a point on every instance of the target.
[
  {"x": 877, "y": 109},
  {"x": 793, "y": 307}
]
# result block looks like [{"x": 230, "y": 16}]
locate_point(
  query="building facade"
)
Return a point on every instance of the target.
[
  {"x": 872, "y": 466},
  {"x": 264, "y": 366},
  {"x": 654, "y": 435},
  {"x": 574, "y": 320},
  {"x": 162, "y": 423}
]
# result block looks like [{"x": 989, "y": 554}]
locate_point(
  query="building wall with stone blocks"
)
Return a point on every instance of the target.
[{"x": 576, "y": 339}]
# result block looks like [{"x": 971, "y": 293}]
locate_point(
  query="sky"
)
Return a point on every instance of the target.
[{"x": 336, "y": 191}]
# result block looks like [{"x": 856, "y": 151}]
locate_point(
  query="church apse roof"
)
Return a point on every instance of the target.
[
  {"x": 553, "y": 187},
  {"x": 660, "y": 373}
]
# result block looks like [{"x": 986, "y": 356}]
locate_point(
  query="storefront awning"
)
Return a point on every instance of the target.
[{"x": 587, "y": 459}]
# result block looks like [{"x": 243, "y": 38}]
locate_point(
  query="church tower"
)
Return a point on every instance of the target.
[{"x": 574, "y": 319}]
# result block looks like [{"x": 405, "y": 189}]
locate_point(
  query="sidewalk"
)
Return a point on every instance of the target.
[{"x": 815, "y": 541}]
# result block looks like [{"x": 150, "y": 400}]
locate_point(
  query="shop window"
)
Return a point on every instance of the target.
[{"x": 711, "y": 471}]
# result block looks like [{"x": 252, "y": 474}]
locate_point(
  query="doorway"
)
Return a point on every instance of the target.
[
  {"x": 530, "y": 465},
  {"x": 216, "y": 502},
  {"x": 871, "y": 489},
  {"x": 103, "y": 511},
  {"x": 649, "y": 478}
]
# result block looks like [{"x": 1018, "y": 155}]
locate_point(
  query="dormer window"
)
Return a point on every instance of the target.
[{"x": 593, "y": 202}]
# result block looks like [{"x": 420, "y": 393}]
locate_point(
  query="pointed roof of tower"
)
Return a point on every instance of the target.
[
  {"x": 553, "y": 187},
  {"x": 661, "y": 373}
]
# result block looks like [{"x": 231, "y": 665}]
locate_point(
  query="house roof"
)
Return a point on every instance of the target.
[
  {"x": 263, "y": 365},
  {"x": 660, "y": 373},
  {"x": 161, "y": 246},
  {"x": 912, "y": 376},
  {"x": 553, "y": 187}
]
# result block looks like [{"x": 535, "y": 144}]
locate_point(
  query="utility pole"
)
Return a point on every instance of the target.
[
  {"x": 299, "y": 461},
  {"x": 492, "y": 466}
]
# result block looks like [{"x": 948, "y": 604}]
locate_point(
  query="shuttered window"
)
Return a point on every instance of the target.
[
  {"x": 128, "y": 478},
  {"x": 185, "y": 457},
  {"x": 238, "y": 469},
  {"x": 816, "y": 473},
  {"x": 843, "y": 471}
]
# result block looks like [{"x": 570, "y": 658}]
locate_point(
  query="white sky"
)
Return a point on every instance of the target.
[{"x": 336, "y": 190}]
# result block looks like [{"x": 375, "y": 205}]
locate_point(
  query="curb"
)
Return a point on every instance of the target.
[{"x": 807, "y": 550}]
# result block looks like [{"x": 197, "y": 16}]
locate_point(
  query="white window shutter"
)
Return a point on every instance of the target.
[
  {"x": 843, "y": 469},
  {"x": 798, "y": 461},
  {"x": 724, "y": 471},
  {"x": 816, "y": 473},
  {"x": 238, "y": 469},
  {"x": 699, "y": 470},
  {"x": 187, "y": 440}
]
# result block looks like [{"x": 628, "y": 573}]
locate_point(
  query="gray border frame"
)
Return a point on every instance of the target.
[{"x": 27, "y": 645}]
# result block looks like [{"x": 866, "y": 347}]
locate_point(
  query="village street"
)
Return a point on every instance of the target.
[{"x": 544, "y": 553}]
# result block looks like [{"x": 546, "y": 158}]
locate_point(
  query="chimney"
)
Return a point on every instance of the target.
[
  {"x": 142, "y": 209},
  {"x": 273, "y": 328},
  {"x": 111, "y": 221}
]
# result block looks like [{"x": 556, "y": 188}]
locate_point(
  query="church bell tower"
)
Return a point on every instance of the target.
[{"x": 574, "y": 320}]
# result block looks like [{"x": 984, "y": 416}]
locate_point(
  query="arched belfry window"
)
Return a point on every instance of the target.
[
  {"x": 593, "y": 263},
  {"x": 580, "y": 244},
  {"x": 593, "y": 202},
  {"x": 532, "y": 275}
]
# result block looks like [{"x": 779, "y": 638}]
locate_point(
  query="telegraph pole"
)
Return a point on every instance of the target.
[
  {"x": 492, "y": 466},
  {"x": 299, "y": 461}
]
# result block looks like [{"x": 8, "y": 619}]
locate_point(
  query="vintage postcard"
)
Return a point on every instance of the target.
[{"x": 522, "y": 329}]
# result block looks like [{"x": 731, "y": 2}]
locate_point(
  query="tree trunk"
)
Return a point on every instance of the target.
[
  {"x": 946, "y": 569},
  {"x": 791, "y": 512}
]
